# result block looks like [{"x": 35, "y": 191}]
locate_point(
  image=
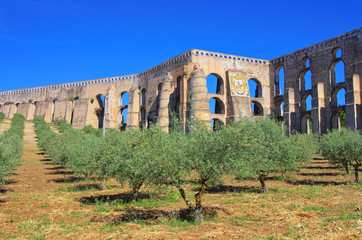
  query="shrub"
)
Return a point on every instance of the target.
[
  {"x": 343, "y": 147},
  {"x": 11, "y": 146}
]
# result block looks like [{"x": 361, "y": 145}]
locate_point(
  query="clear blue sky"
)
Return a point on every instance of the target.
[{"x": 45, "y": 42}]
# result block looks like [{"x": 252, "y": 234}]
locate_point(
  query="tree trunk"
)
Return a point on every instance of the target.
[
  {"x": 103, "y": 184},
  {"x": 136, "y": 188},
  {"x": 262, "y": 182},
  {"x": 198, "y": 197},
  {"x": 356, "y": 173},
  {"x": 346, "y": 166},
  {"x": 185, "y": 198}
]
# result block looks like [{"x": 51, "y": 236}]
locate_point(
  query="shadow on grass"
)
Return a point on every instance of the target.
[
  {"x": 319, "y": 174},
  {"x": 56, "y": 168},
  {"x": 132, "y": 214},
  {"x": 319, "y": 162},
  {"x": 46, "y": 160},
  {"x": 320, "y": 167},
  {"x": 123, "y": 197},
  {"x": 70, "y": 179},
  {"x": 61, "y": 172},
  {"x": 229, "y": 189},
  {"x": 313, "y": 183},
  {"x": 82, "y": 187}
]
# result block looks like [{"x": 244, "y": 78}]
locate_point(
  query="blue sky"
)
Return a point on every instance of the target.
[{"x": 44, "y": 42}]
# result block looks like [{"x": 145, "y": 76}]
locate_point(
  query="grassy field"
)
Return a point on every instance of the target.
[{"x": 45, "y": 201}]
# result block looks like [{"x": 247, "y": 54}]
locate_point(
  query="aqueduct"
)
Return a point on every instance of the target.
[{"x": 300, "y": 87}]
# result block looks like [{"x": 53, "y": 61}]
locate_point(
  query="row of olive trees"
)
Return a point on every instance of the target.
[
  {"x": 11, "y": 146},
  {"x": 244, "y": 148},
  {"x": 343, "y": 147}
]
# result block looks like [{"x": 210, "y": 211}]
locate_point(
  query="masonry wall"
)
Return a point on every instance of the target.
[{"x": 98, "y": 102}]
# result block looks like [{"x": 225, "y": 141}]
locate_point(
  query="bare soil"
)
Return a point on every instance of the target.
[{"x": 45, "y": 201}]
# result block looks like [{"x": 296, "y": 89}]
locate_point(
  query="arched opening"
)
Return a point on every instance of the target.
[
  {"x": 339, "y": 119},
  {"x": 100, "y": 110},
  {"x": 341, "y": 97},
  {"x": 337, "y": 52},
  {"x": 279, "y": 81},
  {"x": 215, "y": 84},
  {"x": 55, "y": 100},
  {"x": 338, "y": 97},
  {"x": 307, "y": 63},
  {"x": 339, "y": 72},
  {"x": 307, "y": 80},
  {"x": 307, "y": 124},
  {"x": 256, "y": 108},
  {"x": 142, "y": 117},
  {"x": 216, "y": 124},
  {"x": 124, "y": 99},
  {"x": 143, "y": 97},
  {"x": 279, "y": 110},
  {"x": 124, "y": 117},
  {"x": 255, "y": 88},
  {"x": 306, "y": 103},
  {"x": 216, "y": 106},
  {"x": 77, "y": 98},
  {"x": 177, "y": 94}
]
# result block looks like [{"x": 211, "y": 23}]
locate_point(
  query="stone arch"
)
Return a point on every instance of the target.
[
  {"x": 257, "y": 108},
  {"x": 177, "y": 95},
  {"x": 306, "y": 62},
  {"x": 306, "y": 102},
  {"x": 215, "y": 84},
  {"x": 216, "y": 124},
  {"x": 338, "y": 71},
  {"x": 255, "y": 88},
  {"x": 124, "y": 99},
  {"x": 100, "y": 109},
  {"x": 338, "y": 98},
  {"x": 142, "y": 117},
  {"x": 143, "y": 97},
  {"x": 338, "y": 119},
  {"x": 305, "y": 80},
  {"x": 306, "y": 125},
  {"x": 216, "y": 106},
  {"x": 337, "y": 53},
  {"x": 279, "y": 80},
  {"x": 279, "y": 109}
]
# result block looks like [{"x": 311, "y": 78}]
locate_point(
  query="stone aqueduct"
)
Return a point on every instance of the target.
[{"x": 171, "y": 85}]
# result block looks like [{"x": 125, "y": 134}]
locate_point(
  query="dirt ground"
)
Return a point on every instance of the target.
[{"x": 45, "y": 201}]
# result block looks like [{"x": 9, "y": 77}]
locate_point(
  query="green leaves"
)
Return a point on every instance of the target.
[
  {"x": 11, "y": 146},
  {"x": 343, "y": 147}
]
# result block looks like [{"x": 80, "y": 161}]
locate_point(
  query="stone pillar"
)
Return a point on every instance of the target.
[
  {"x": 353, "y": 104},
  {"x": 164, "y": 104},
  {"x": 318, "y": 109},
  {"x": 198, "y": 100},
  {"x": 110, "y": 108},
  {"x": 133, "y": 108},
  {"x": 290, "y": 107}
]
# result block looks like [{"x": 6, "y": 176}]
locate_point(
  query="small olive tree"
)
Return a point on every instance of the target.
[{"x": 343, "y": 147}]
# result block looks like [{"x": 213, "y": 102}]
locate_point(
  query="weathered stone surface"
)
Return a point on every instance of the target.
[{"x": 161, "y": 94}]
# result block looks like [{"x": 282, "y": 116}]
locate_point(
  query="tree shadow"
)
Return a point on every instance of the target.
[
  {"x": 46, "y": 160},
  {"x": 55, "y": 168},
  {"x": 40, "y": 153},
  {"x": 229, "y": 189},
  {"x": 313, "y": 183},
  {"x": 319, "y": 167},
  {"x": 61, "y": 172},
  {"x": 83, "y": 187},
  {"x": 123, "y": 197},
  {"x": 132, "y": 214},
  {"x": 319, "y": 162},
  {"x": 319, "y": 174},
  {"x": 70, "y": 179}
]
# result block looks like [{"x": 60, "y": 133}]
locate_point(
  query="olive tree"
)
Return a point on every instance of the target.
[{"x": 343, "y": 147}]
